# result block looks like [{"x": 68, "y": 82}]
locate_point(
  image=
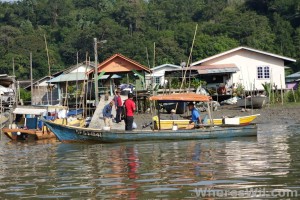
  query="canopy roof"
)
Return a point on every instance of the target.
[
  {"x": 31, "y": 111},
  {"x": 181, "y": 97}
]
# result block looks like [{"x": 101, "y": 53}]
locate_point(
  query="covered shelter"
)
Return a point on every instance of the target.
[
  {"x": 215, "y": 75},
  {"x": 292, "y": 81},
  {"x": 43, "y": 92},
  {"x": 118, "y": 66},
  {"x": 70, "y": 81}
]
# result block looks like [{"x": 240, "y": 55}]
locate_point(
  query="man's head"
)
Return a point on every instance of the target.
[
  {"x": 191, "y": 106},
  {"x": 117, "y": 92},
  {"x": 173, "y": 111},
  {"x": 130, "y": 96},
  {"x": 111, "y": 103}
]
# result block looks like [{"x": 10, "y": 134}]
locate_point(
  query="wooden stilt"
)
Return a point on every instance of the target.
[
  {"x": 209, "y": 115},
  {"x": 158, "y": 115}
]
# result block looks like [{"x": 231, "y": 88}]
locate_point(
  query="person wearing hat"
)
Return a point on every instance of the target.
[
  {"x": 107, "y": 116},
  {"x": 118, "y": 105},
  {"x": 196, "y": 117},
  {"x": 130, "y": 109},
  {"x": 173, "y": 115}
]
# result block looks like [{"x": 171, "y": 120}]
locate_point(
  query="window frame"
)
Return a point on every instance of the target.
[{"x": 263, "y": 72}]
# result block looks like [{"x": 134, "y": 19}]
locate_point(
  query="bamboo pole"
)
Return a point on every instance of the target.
[
  {"x": 188, "y": 62},
  {"x": 49, "y": 69},
  {"x": 76, "y": 94}
]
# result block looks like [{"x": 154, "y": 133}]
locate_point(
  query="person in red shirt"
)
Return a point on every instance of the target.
[
  {"x": 130, "y": 108},
  {"x": 118, "y": 104}
]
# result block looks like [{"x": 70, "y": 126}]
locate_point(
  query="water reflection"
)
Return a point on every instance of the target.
[{"x": 150, "y": 170}]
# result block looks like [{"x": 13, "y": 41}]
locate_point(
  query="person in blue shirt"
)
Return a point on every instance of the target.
[
  {"x": 107, "y": 116},
  {"x": 196, "y": 116}
]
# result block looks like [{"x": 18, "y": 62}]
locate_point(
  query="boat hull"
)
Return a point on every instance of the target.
[
  {"x": 256, "y": 102},
  {"x": 168, "y": 124},
  {"x": 25, "y": 134},
  {"x": 76, "y": 134}
]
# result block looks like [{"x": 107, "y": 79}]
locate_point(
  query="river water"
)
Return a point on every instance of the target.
[{"x": 268, "y": 164}]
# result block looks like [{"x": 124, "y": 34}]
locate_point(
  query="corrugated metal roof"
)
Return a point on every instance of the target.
[
  {"x": 80, "y": 76},
  {"x": 216, "y": 69},
  {"x": 245, "y": 48},
  {"x": 295, "y": 75}
]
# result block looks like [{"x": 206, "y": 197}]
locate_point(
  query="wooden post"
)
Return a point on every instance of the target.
[
  {"x": 158, "y": 115},
  {"x": 294, "y": 94},
  {"x": 96, "y": 72},
  {"x": 154, "y": 54},
  {"x": 76, "y": 94},
  {"x": 1, "y": 111},
  {"x": 212, "y": 110},
  {"x": 31, "y": 79},
  {"x": 281, "y": 91},
  {"x": 13, "y": 65},
  {"x": 209, "y": 115},
  {"x": 169, "y": 81}
]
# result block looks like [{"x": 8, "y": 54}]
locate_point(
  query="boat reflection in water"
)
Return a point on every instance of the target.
[{"x": 150, "y": 170}]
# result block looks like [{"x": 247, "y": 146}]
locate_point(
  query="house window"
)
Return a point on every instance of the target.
[
  {"x": 263, "y": 72},
  {"x": 157, "y": 80},
  {"x": 267, "y": 72}
]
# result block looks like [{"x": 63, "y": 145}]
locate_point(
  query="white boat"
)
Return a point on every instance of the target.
[{"x": 253, "y": 102}]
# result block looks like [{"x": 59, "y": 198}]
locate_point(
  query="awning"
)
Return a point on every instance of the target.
[
  {"x": 29, "y": 111},
  {"x": 80, "y": 76},
  {"x": 182, "y": 97},
  {"x": 216, "y": 69}
]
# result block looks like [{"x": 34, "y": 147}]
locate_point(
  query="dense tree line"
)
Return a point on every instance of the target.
[{"x": 131, "y": 27}]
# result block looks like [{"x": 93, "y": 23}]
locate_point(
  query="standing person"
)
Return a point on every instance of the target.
[
  {"x": 196, "y": 118},
  {"x": 118, "y": 105},
  {"x": 107, "y": 116},
  {"x": 130, "y": 108}
]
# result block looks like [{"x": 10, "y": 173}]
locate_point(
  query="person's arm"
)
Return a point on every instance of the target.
[
  {"x": 200, "y": 120},
  {"x": 133, "y": 107}
]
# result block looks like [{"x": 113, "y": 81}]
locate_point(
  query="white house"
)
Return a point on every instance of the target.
[
  {"x": 254, "y": 67},
  {"x": 158, "y": 74}
]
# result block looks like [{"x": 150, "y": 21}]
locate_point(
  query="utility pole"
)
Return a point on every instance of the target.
[{"x": 96, "y": 72}]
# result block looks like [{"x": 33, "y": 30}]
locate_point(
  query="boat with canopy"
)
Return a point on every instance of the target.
[{"x": 67, "y": 133}]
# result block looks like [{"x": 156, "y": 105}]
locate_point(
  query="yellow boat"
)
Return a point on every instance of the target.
[{"x": 182, "y": 123}]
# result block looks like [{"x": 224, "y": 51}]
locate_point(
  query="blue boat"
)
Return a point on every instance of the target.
[
  {"x": 75, "y": 134},
  {"x": 67, "y": 133}
]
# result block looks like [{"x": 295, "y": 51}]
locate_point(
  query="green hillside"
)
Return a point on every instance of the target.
[{"x": 131, "y": 27}]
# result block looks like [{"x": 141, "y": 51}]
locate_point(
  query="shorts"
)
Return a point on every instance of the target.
[{"x": 108, "y": 122}]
